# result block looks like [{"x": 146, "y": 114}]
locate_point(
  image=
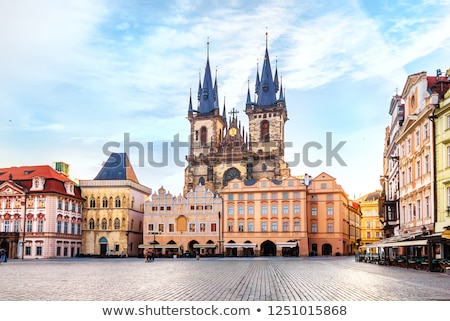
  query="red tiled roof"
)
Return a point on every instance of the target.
[{"x": 54, "y": 181}]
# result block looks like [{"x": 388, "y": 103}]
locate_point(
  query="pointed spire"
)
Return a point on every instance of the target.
[
  {"x": 199, "y": 93},
  {"x": 266, "y": 91},
  {"x": 207, "y": 91},
  {"x": 249, "y": 101},
  {"x": 190, "y": 101},
  {"x": 281, "y": 89},
  {"x": 275, "y": 78},
  {"x": 258, "y": 82},
  {"x": 216, "y": 92},
  {"x": 224, "y": 113}
]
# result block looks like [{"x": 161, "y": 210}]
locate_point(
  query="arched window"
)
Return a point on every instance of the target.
[
  {"x": 203, "y": 135},
  {"x": 91, "y": 224},
  {"x": 117, "y": 201},
  {"x": 92, "y": 202},
  {"x": 104, "y": 224},
  {"x": 105, "y": 202},
  {"x": 116, "y": 224},
  {"x": 265, "y": 133}
]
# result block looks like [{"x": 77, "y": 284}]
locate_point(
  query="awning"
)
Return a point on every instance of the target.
[
  {"x": 159, "y": 246},
  {"x": 446, "y": 234},
  {"x": 287, "y": 244},
  {"x": 238, "y": 245},
  {"x": 397, "y": 244},
  {"x": 204, "y": 246}
]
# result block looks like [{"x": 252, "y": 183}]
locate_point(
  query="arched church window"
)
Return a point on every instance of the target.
[
  {"x": 92, "y": 202},
  {"x": 116, "y": 224},
  {"x": 203, "y": 135},
  {"x": 104, "y": 224},
  {"x": 91, "y": 224},
  {"x": 265, "y": 133}
]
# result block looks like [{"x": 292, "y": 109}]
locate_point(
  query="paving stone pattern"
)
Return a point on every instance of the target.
[{"x": 217, "y": 279}]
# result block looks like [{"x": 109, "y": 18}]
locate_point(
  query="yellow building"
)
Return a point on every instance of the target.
[
  {"x": 113, "y": 209},
  {"x": 371, "y": 227},
  {"x": 354, "y": 214},
  {"x": 177, "y": 225}
]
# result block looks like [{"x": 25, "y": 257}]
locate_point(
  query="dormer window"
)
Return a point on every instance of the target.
[
  {"x": 69, "y": 187},
  {"x": 38, "y": 183}
]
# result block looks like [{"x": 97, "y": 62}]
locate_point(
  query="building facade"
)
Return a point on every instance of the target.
[
  {"x": 371, "y": 227},
  {"x": 40, "y": 213},
  {"x": 183, "y": 226},
  {"x": 265, "y": 217},
  {"x": 113, "y": 210}
]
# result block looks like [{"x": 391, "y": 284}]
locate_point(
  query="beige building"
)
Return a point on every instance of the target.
[
  {"x": 354, "y": 218},
  {"x": 178, "y": 225},
  {"x": 40, "y": 212},
  {"x": 113, "y": 209}
]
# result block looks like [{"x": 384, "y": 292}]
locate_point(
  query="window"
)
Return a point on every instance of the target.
[
  {"x": 285, "y": 195},
  {"x": 250, "y": 226},
  {"x": 274, "y": 196},
  {"x": 92, "y": 202},
  {"x": 314, "y": 211},
  {"x": 59, "y": 204},
  {"x": 241, "y": 226},
  {"x": 274, "y": 209},
  {"x": 250, "y": 197},
  {"x": 39, "y": 251},
  {"x": 418, "y": 174},
  {"x": 314, "y": 228},
  {"x": 410, "y": 212},
  {"x": 117, "y": 202},
  {"x": 29, "y": 226},
  {"x": 265, "y": 131},
  {"x": 150, "y": 227},
  {"x": 172, "y": 227},
  {"x": 418, "y": 210},
  {"x": 72, "y": 228},
  {"x": 425, "y": 131},
  {"x": 66, "y": 227},
  {"x": 263, "y": 196},
  {"x": 296, "y": 209},
  {"x": 203, "y": 136},
  {"x": 417, "y": 138},
  {"x": 448, "y": 156},
  {"x": 230, "y": 227},
  {"x": 230, "y": 197},
  {"x": 241, "y": 197},
  {"x": 427, "y": 164},
  {"x": 104, "y": 202},
  {"x": 427, "y": 206},
  {"x": 192, "y": 227},
  {"x": 408, "y": 145},
  {"x": 274, "y": 227},
  {"x": 241, "y": 210},
  {"x": 40, "y": 226},
  {"x": 79, "y": 229},
  {"x": 409, "y": 174},
  {"x": 330, "y": 227},
  {"x": 116, "y": 224},
  {"x": 203, "y": 227},
  {"x": 285, "y": 209},
  {"x": 296, "y": 195},
  {"x": 161, "y": 228},
  {"x": 323, "y": 186},
  {"x": 296, "y": 226},
  {"x": 285, "y": 226},
  {"x": 329, "y": 210},
  {"x": 58, "y": 227},
  {"x": 104, "y": 224},
  {"x": 6, "y": 227},
  {"x": 230, "y": 210},
  {"x": 264, "y": 227},
  {"x": 264, "y": 210},
  {"x": 66, "y": 206},
  {"x": 250, "y": 210}
]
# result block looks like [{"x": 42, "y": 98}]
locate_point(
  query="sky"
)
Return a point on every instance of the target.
[{"x": 80, "y": 79}]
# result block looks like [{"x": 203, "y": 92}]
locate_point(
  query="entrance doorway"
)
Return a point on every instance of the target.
[{"x": 268, "y": 248}]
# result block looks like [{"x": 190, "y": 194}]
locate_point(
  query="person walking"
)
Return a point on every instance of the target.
[
  {"x": 2, "y": 254},
  {"x": 146, "y": 255}
]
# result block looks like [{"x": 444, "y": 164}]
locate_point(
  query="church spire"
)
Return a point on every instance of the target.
[
  {"x": 207, "y": 98},
  {"x": 266, "y": 89}
]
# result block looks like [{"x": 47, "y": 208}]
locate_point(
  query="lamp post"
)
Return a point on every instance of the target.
[
  {"x": 220, "y": 241},
  {"x": 24, "y": 221},
  {"x": 154, "y": 242}
]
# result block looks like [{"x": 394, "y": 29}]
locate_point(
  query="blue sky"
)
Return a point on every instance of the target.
[{"x": 78, "y": 75}]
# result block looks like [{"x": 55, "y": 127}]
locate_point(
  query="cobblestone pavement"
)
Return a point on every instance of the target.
[{"x": 217, "y": 279}]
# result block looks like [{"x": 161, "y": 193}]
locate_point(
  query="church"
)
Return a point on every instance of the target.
[{"x": 220, "y": 149}]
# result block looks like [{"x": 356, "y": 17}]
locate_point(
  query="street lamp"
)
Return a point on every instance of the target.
[
  {"x": 154, "y": 241},
  {"x": 24, "y": 221},
  {"x": 220, "y": 241}
]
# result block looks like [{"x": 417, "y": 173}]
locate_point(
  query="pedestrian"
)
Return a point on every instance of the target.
[
  {"x": 146, "y": 255},
  {"x": 152, "y": 256},
  {"x": 2, "y": 253}
]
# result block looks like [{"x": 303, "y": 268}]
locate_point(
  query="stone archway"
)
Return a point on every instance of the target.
[
  {"x": 268, "y": 248},
  {"x": 327, "y": 249}
]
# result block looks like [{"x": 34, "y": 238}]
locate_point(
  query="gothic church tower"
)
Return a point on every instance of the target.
[{"x": 221, "y": 150}]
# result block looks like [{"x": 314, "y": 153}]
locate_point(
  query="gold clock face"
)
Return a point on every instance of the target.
[{"x": 233, "y": 131}]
